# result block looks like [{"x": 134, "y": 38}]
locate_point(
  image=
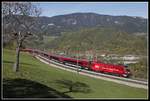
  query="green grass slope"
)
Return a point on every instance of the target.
[{"x": 36, "y": 79}]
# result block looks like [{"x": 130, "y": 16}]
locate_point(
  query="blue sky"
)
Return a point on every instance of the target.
[{"x": 108, "y": 8}]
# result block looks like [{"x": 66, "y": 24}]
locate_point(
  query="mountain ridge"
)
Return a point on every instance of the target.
[{"x": 71, "y": 22}]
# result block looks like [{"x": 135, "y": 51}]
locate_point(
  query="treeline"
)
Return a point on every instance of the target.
[{"x": 110, "y": 40}]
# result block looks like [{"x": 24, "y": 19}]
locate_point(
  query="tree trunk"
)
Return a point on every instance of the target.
[{"x": 16, "y": 65}]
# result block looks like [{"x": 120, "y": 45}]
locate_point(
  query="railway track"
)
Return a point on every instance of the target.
[{"x": 74, "y": 68}]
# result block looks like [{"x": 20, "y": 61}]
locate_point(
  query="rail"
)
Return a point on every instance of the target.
[{"x": 121, "y": 80}]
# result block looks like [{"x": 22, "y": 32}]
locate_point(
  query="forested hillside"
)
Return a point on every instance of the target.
[
  {"x": 102, "y": 39},
  {"x": 56, "y": 25}
]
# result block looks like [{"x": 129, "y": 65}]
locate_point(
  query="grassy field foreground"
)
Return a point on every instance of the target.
[{"x": 38, "y": 80}]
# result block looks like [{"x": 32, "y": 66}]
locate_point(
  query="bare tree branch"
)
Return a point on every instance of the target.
[{"x": 20, "y": 18}]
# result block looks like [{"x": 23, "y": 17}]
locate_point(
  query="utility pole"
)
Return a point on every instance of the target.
[
  {"x": 78, "y": 67},
  {"x": 77, "y": 62}
]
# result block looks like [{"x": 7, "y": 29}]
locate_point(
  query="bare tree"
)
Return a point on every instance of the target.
[{"x": 22, "y": 18}]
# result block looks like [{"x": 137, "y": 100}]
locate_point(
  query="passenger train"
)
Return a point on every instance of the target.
[{"x": 96, "y": 66}]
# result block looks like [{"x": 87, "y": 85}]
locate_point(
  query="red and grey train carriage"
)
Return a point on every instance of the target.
[{"x": 96, "y": 66}]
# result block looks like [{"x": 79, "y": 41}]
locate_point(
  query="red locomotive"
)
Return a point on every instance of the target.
[{"x": 96, "y": 66}]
